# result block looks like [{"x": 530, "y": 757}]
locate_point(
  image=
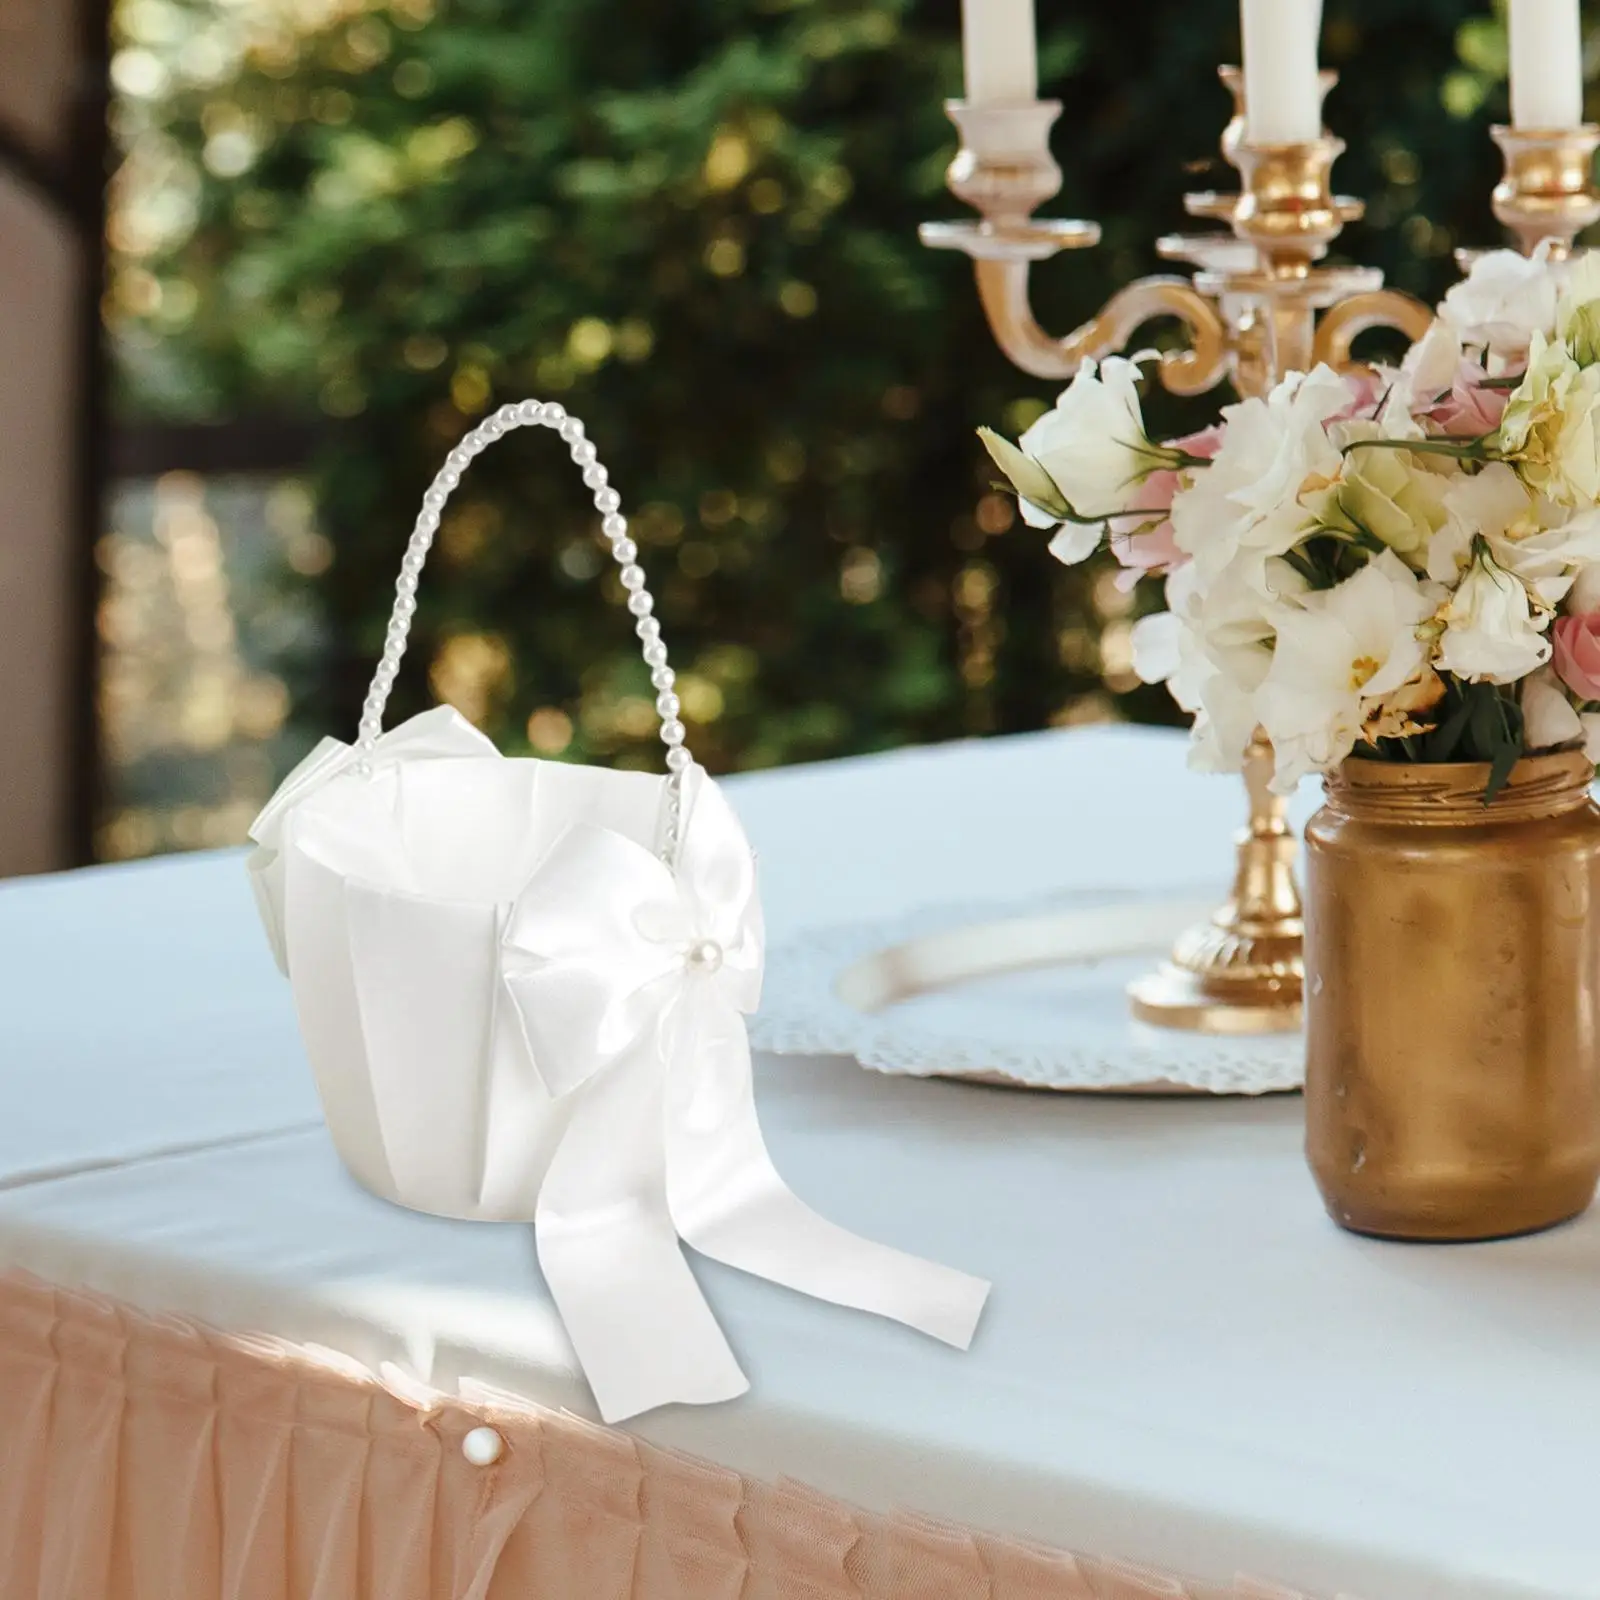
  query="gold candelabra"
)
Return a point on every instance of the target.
[
  {"x": 1258, "y": 305},
  {"x": 1548, "y": 193}
]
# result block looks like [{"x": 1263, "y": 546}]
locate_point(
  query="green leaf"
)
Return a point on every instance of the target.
[
  {"x": 1484, "y": 723},
  {"x": 1508, "y": 752},
  {"x": 1306, "y": 567},
  {"x": 1444, "y": 741}
]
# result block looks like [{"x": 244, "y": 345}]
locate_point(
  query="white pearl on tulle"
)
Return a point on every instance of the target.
[
  {"x": 704, "y": 957},
  {"x": 483, "y": 1447}
]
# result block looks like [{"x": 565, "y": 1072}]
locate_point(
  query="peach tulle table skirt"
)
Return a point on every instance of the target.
[{"x": 146, "y": 1458}]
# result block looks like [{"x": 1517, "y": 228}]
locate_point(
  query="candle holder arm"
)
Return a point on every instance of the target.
[
  {"x": 1342, "y": 324},
  {"x": 1003, "y": 290}
]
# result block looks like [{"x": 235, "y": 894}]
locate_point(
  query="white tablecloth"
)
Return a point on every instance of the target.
[{"x": 1183, "y": 1363}]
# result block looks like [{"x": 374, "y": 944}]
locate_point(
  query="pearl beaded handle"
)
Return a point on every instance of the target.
[{"x": 526, "y": 414}]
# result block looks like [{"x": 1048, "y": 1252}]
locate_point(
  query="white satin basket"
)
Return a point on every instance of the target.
[{"x": 522, "y": 986}]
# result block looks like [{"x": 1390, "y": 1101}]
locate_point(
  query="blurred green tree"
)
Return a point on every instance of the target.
[{"x": 694, "y": 223}]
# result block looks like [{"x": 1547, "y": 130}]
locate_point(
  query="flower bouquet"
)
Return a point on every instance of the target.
[
  {"x": 1396, "y": 577},
  {"x": 1402, "y": 564}
]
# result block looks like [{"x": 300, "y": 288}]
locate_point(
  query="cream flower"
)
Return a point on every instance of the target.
[
  {"x": 1583, "y": 598},
  {"x": 1085, "y": 461},
  {"x": 1549, "y": 558},
  {"x": 1158, "y": 648},
  {"x": 1221, "y": 703},
  {"x": 1273, "y": 450},
  {"x": 1491, "y": 632},
  {"x": 1550, "y": 719},
  {"x": 1503, "y": 302},
  {"x": 1493, "y": 504},
  {"x": 1212, "y": 649},
  {"x": 1551, "y": 427},
  {"x": 1548, "y": 716},
  {"x": 1428, "y": 371},
  {"x": 1391, "y": 494},
  {"x": 1543, "y": 545},
  {"x": 1339, "y": 651},
  {"x": 1578, "y": 310},
  {"x": 1093, "y": 443}
]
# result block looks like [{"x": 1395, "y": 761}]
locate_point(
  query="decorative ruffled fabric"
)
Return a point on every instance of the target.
[{"x": 150, "y": 1458}]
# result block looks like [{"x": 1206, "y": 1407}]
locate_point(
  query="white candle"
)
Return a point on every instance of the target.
[
  {"x": 1282, "y": 98},
  {"x": 998, "y": 46},
  {"x": 1546, "y": 64}
]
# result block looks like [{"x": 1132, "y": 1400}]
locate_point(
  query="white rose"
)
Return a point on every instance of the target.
[
  {"x": 1392, "y": 494},
  {"x": 1583, "y": 598},
  {"x": 1551, "y": 427},
  {"x": 1337, "y": 648},
  {"x": 1212, "y": 649},
  {"x": 1503, "y": 302},
  {"x": 1223, "y": 726},
  {"x": 1158, "y": 647},
  {"x": 1232, "y": 613},
  {"x": 1578, "y": 309},
  {"x": 1549, "y": 559},
  {"x": 1093, "y": 443},
  {"x": 1539, "y": 542},
  {"x": 1491, "y": 632},
  {"x": 1428, "y": 371},
  {"x": 1168, "y": 649},
  {"x": 1273, "y": 450},
  {"x": 1548, "y": 716},
  {"x": 1487, "y": 504}
]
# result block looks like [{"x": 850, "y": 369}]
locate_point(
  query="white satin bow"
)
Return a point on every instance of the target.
[{"x": 630, "y": 982}]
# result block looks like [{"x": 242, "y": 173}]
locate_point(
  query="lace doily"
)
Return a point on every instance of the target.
[{"x": 1028, "y": 994}]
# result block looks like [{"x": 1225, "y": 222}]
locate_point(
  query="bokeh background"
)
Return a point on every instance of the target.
[{"x": 340, "y": 230}]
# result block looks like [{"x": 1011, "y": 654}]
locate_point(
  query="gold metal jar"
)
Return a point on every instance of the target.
[{"x": 1453, "y": 998}]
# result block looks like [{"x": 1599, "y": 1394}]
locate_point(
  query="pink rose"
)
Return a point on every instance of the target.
[
  {"x": 1469, "y": 408},
  {"x": 1365, "y": 393},
  {"x": 1578, "y": 654},
  {"x": 1144, "y": 546}
]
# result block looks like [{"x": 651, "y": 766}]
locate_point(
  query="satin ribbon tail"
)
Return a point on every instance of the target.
[{"x": 729, "y": 1201}]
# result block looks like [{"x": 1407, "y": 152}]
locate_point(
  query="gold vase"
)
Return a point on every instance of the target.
[{"x": 1453, "y": 998}]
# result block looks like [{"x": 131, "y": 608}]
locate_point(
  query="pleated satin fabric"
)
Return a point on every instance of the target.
[{"x": 146, "y": 1458}]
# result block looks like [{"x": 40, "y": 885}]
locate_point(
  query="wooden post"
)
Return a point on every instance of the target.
[{"x": 53, "y": 154}]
